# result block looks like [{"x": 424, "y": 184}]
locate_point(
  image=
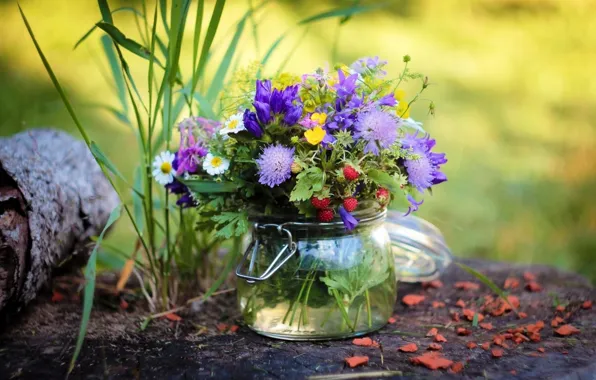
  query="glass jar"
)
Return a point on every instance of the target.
[
  {"x": 302, "y": 280},
  {"x": 419, "y": 248}
]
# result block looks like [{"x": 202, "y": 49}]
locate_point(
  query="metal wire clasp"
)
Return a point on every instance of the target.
[{"x": 286, "y": 252}]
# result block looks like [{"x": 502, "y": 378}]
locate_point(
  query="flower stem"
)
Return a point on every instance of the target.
[
  {"x": 342, "y": 309},
  {"x": 368, "y": 308}
]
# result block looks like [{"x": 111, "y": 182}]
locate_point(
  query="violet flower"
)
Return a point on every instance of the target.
[
  {"x": 413, "y": 204},
  {"x": 424, "y": 171},
  {"x": 349, "y": 221}
]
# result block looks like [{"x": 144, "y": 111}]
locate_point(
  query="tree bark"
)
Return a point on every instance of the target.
[{"x": 53, "y": 198}]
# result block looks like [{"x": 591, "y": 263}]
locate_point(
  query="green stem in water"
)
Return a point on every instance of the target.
[
  {"x": 298, "y": 300},
  {"x": 357, "y": 316},
  {"x": 368, "y": 308},
  {"x": 342, "y": 309}
]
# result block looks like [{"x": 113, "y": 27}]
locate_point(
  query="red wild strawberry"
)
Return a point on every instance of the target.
[
  {"x": 325, "y": 215},
  {"x": 350, "y": 173},
  {"x": 350, "y": 204},
  {"x": 383, "y": 196},
  {"x": 320, "y": 203}
]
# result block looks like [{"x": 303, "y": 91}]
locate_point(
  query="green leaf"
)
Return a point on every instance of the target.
[
  {"x": 307, "y": 183},
  {"x": 177, "y": 21},
  {"x": 341, "y": 12},
  {"x": 232, "y": 257},
  {"x": 200, "y": 186},
  {"x": 119, "y": 37},
  {"x": 104, "y": 160},
  {"x": 234, "y": 224},
  {"x": 384, "y": 179},
  {"x": 121, "y": 9},
  {"x": 90, "y": 287},
  {"x": 137, "y": 200}
]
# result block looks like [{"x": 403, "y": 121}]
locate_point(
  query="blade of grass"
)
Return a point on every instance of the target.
[
  {"x": 292, "y": 51},
  {"x": 127, "y": 43},
  {"x": 109, "y": 51},
  {"x": 195, "y": 44},
  {"x": 90, "y": 31},
  {"x": 488, "y": 282},
  {"x": 342, "y": 12},
  {"x": 163, "y": 7},
  {"x": 104, "y": 8},
  {"x": 211, "y": 30},
  {"x": 222, "y": 70},
  {"x": 90, "y": 287}
]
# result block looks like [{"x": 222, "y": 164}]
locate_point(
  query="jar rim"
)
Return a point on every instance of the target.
[{"x": 369, "y": 213}]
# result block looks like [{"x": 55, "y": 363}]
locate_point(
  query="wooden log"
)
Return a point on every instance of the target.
[{"x": 53, "y": 198}]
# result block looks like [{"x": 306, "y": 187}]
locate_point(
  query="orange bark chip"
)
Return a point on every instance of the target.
[
  {"x": 497, "y": 353},
  {"x": 364, "y": 342},
  {"x": 221, "y": 327},
  {"x": 485, "y": 346},
  {"x": 556, "y": 321},
  {"x": 173, "y": 317},
  {"x": 432, "y": 332},
  {"x": 440, "y": 338},
  {"x": 435, "y": 347},
  {"x": 511, "y": 283},
  {"x": 410, "y": 347},
  {"x": 460, "y": 303},
  {"x": 412, "y": 299},
  {"x": 57, "y": 296},
  {"x": 455, "y": 317},
  {"x": 471, "y": 345},
  {"x": 356, "y": 361},
  {"x": 438, "y": 304},
  {"x": 391, "y": 320},
  {"x": 469, "y": 314},
  {"x": 466, "y": 285},
  {"x": 541, "y": 349},
  {"x": 533, "y": 286},
  {"x": 432, "y": 360},
  {"x": 587, "y": 305},
  {"x": 560, "y": 308},
  {"x": 457, "y": 367},
  {"x": 234, "y": 328},
  {"x": 463, "y": 331},
  {"x": 123, "y": 304},
  {"x": 513, "y": 301},
  {"x": 529, "y": 276},
  {"x": 522, "y": 315},
  {"x": 566, "y": 330},
  {"x": 486, "y": 326}
]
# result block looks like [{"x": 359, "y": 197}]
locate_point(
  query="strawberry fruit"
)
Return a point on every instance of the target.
[
  {"x": 383, "y": 196},
  {"x": 325, "y": 215},
  {"x": 320, "y": 203},
  {"x": 350, "y": 173},
  {"x": 350, "y": 204}
]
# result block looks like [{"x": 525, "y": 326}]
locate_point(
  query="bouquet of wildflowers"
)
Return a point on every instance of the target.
[{"x": 318, "y": 145}]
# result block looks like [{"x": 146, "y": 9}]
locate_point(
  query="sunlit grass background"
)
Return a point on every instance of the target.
[{"x": 514, "y": 83}]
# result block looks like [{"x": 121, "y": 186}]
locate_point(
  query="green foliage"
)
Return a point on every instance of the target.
[
  {"x": 308, "y": 182},
  {"x": 231, "y": 224}
]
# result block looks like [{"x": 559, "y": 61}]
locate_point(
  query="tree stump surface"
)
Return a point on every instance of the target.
[{"x": 41, "y": 343}]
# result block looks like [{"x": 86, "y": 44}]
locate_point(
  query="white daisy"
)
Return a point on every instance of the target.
[
  {"x": 215, "y": 165},
  {"x": 409, "y": 122},
  {"x": 162, "y": 168},
  {"x": 234, "y": 124}
]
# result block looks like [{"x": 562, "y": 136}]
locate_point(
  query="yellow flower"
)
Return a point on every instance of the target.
[
  {"x": 284, "y": 80},
  {"x": 315, "y": 135},
  {"x": 309, "y": 104},
  {"x": 401, "y": 109},
  {"x": 319, "y": 118}
]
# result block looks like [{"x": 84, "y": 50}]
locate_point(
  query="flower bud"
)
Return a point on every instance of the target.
[{"x": 296, "y": 168}]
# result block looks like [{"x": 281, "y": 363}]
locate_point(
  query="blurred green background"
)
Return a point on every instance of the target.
[{"x": 513, "y": 82}]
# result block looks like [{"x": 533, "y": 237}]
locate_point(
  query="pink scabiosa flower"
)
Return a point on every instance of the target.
[
  {"x": 275, "y": 165},
  {"x": 424, "y": 170},
  {"x": 378, "y": 129}
]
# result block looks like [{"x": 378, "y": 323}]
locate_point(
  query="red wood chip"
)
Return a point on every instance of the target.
[
  {"x": 466, "y": 285},
  {"x": 541, "y": 349},
  {"x": 511, "y": 283},
  {"x": 528, "y": 276},
  {"x": 234, "y": 328},
  {"x": 173, "y": 317},
  {"x": 221, "y": 327},
  {"x": 435, "y": 347},
  {"x": 57, "y": 296},
  {"x": 432, "y": 360},
  {"x": 356, "y": 361},
  {"x": 486, "y": 326},
  {"x": 498, "y": 340},
  {"x": 410, "y": 347},
  {"x": 457, "y": 367},
  {"x": 566, "y": 330},
  {"x": 391, "y": 320},
  {"x": 533, "y": 286},
  {"x": 556, "y": 321},
  {"x": 440, "y": 338},
  {"x": 497, "y": 353},
  {"x": 455, "y": 317},
  {"x": 469, "y": 314},
  {"x": 432, "y": 332},
  {"x": 364, "y": 342},
  {"x": 412, "y": 299},
  {"x": 513, "y": 301},
  {"x": 123, "y": 304},
  {"x": 438, "y": 304},
  {"x": 560, "y": 308},
  {"x": 463, "y": 331},
  {"x": 460, "y": 303},
  {"x": 587, "y": 305},
  {"x": 535, "y": 337},
  {"x": 522, "y": 315},
  {"x": 564, "y": 352},
  {"x": 485, "y": 346},
  {"x": 471, "y": 345},
  {"x": 435, "y": 284},
  {"x": 513, "y": 372}
]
